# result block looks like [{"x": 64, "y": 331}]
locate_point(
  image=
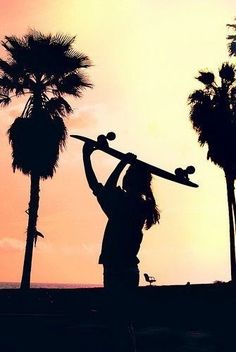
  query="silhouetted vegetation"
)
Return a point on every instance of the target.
[
  {"x": 232, "y": 40},
  {"x": 45, "y": 67},
  {"x": 213, "y": 116}
]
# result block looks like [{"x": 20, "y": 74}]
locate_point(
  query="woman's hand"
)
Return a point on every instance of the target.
[
  {"x": 129, "y": 158},
  {"x": 88, "y": 148}
]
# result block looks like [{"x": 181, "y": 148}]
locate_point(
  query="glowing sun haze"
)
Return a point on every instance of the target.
[{"x": 145, "y": 55}]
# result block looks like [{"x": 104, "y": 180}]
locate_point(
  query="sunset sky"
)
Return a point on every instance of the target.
[{"x": 145, "y": 56}]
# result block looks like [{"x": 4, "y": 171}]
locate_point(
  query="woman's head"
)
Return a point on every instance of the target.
[{"x": 137, "y": 181}]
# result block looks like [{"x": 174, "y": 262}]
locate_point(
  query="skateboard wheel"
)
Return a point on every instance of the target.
[
  {"x": 110, "y": 136},
  {"x": 190, "y": 170}
]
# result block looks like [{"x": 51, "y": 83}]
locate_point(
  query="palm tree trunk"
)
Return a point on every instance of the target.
[
  {"x": 32, "y": 222},
  {"x": 230, "y": 196},
  {"x": 234, "y": 205}
]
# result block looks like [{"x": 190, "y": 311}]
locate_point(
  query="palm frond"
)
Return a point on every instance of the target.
[
  {"x": 231, "y": 37},
  {"x": 13, "y": 77},
  {"x": 82, "y": 60},
  {"x": 72, "y": 84},
  {"x": 62, "y": 40},
  {"x": 4, "y": 100},
  {"x": 6, "y": 84},
  {"x": 206, "y": 78},
  {"x": 13, "y": 44},
  {"x": 232, "y": 40},
  {"x": 34, "y": 36},
  {"x": 232, "y": 47},
  {"x": 6, "y": 67},
  {"x": 16, "y": 49},
  {"x": 227, "y": 72},
  {"x": 58, "y": 106},
  {"x": 198, "y": 96},
  {"x": 232, "y": 26}
]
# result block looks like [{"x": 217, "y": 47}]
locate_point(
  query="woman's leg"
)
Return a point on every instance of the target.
[{"x": 120, "y": 287}]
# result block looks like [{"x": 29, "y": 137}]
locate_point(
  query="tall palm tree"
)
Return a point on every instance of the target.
[
  {"x": 232, "y": 52},
  {"x": 213, "y": 116},
  {"x": 44, "y": 67}
]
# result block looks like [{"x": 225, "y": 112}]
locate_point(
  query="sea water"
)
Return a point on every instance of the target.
[{"x": 15, "y": 285}]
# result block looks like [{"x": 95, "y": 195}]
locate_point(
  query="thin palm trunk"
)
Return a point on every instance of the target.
[
  {"x": 31, "y": 230},
  {"x": 230, "y": 197},
  {"x": 234, "y": 206}
]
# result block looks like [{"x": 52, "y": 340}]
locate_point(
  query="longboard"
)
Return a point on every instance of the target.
[{"x": 180, "y": 176}]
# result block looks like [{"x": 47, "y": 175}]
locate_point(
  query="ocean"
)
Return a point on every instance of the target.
[{"x": 16, "y": 285}]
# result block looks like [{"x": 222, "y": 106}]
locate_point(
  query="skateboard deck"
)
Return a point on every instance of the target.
[{"x": 181, "y": 176}]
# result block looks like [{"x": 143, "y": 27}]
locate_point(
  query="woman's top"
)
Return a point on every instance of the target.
[{"x": 123, "y": 234}]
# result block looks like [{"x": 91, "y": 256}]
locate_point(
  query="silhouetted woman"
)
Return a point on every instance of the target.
[{"x": 128, "y": 209}]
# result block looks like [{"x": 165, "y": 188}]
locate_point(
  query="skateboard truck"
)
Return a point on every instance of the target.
[
  {"x": 102, "y": 140},
  {"x": 179, "y": 172}
]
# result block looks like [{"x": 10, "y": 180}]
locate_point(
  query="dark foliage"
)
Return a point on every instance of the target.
[
  {"x": 38, "y": 61},
  {"x": 36, "y": 144},
  {"x": 42, "y": 66},
  {"x": 213, "y": 115},
  {"x": 232, "y": 40}
]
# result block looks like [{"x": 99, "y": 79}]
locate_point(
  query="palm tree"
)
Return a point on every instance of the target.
[
  {"x": 213, "y": 116},
  {"x": 232, "y": 52},
  {"x": 44, "y": 67}
]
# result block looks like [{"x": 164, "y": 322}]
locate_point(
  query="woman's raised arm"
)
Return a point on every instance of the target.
[
  {"x": 88, "y": 149},
  {"x": 113, "y": 178}
]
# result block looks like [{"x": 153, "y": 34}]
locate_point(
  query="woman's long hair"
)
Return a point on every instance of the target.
[
  {"x": 138, "y": 178},
  {"x": 153, "y": 214}
]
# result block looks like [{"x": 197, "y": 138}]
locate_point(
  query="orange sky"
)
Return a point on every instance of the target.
[{"x": 146, "y": 55}]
